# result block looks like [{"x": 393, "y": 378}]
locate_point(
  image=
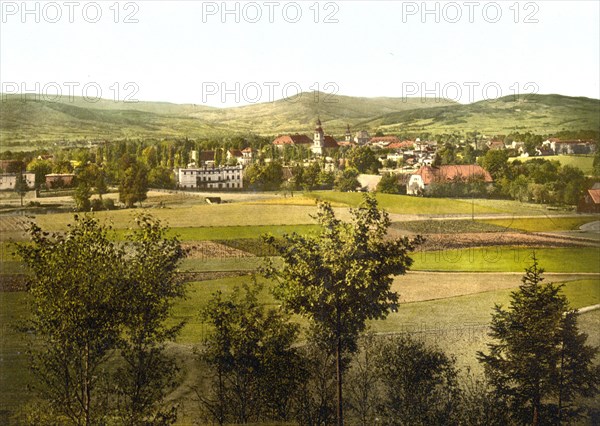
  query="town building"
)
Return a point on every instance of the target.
[
  {"x": 426, "y": 175},
  {"x": 59, "y": 180},
  {"x": 590, "y": 202},
  {"x": 317, "y": 144},
  {"x": 570, "y": 146},
  {"x": 8, "y": 181},
  {"x": 210, "y": 178},
  {"x": 291, "y": 140},
  {"x": 321, "y": 141},
  {"x": 247, "y": 156},
  {"x": 362, "y": 137}
]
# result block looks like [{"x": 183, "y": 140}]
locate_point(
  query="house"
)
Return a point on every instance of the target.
[
  {"x": 590, "y": 201},
  {"x": 247, "y": 156},
  {"x": 292, "y": 140},
  {"x": 570, "y": 146},
  {"x": 11, "y": 166},
  {"x": 384, "y": 141},
  {"x": 8, "y": 181},
  {"x": 224, "y": 177},
  {"x": 362, "y": 137},
  {"x": 404, "y": 145},
  {"x": 496, "y": 145},
  {"x": 202, "y": 158},
  {"x": 59, "y": 180},
  {"x": 235, "y": 154},
  {"x": 426, "y": 175}
]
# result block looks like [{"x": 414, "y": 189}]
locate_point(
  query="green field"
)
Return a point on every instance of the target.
[
  {"x": 543, "y": 224},
  {"x": 404, "y": 204},
  {"x": 509, "y": 259},
  {"x": 409, "y": 205},
  {"x": 583, "y": 162}
]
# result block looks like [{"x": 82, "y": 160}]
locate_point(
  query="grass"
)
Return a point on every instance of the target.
[
  {"x": 446, "y": 226},
  {"x": 405, "y": 204},
  {"x": 542, "y": 224},
  {"x": 239, "y": 232},
  {"x": 509, "y": 259},
  {"x": 196, "y": 216}
]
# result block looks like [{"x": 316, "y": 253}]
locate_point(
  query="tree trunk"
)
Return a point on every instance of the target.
[{"x": 340, "y": 409}]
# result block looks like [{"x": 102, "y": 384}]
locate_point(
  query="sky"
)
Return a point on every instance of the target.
[{"x": 237, "y": 53}]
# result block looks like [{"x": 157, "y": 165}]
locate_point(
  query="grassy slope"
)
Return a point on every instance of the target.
[
  {"x": 536, "y": 113},
  {"x": 28, "y": 121},
  {"x": 32, "y": 119}
]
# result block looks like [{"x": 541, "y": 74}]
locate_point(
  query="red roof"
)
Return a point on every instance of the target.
[
  {"x": 206, "y": 156},
  {"x": 595, "y": 194},
  {"x": 330, "y": 142},
  {"x": 388, "y": 139},
  {"x": 452, "y": 172},
  {"x": 496, "y": 145},
  {"x": 235, "y": 152},
  {"x": 292, "y": 140},
  {"x": 403, "y": 144},
  {"x": 249, "y": 149}
]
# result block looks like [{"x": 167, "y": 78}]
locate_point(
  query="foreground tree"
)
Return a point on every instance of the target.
[
  {"x": 99, "y": 312},
  {"x": 253, "y": 369},
  {"x": 341, "y": 278},
  {"x": 419, "y": 384},
  {"x": 75, "y": 319},
  {"x": 540, "y": 363},
  {"x": 148, "y": 294}
]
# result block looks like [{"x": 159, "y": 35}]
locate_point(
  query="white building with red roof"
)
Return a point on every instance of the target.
[{"x": 426, "y": 175}]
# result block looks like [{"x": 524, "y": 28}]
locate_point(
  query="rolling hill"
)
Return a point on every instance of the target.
[
  {"x": 29, "y": 121},
  {"x": 543, "y": 114}
]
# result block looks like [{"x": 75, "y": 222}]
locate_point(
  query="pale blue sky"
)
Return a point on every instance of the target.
[{"x": 375, "y": 49}]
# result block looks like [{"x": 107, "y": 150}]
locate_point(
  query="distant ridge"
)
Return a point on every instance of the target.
[{"x": 30, "y": 121}]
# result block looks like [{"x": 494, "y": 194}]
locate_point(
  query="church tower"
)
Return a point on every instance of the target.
[
  {"x": 348, "y": 134},
  {"x": 318, "y": 139}
]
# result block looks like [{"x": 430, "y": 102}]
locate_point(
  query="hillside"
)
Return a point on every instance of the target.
[
  {"x": 26, "y": 122},
  {"x": 544, "y": 114}
]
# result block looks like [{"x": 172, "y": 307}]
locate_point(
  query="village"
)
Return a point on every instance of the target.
[{"x": 416, "y": 165}]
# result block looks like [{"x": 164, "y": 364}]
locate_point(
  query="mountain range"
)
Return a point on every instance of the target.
[{"x": 28, "y": 120}]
